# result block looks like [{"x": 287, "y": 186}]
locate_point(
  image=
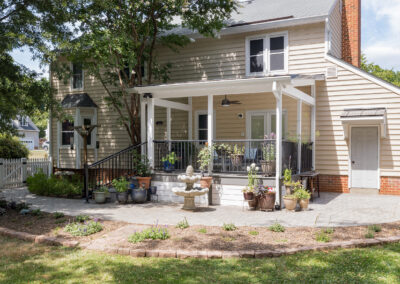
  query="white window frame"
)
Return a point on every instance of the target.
[
  {"x": 60, "y": 131},
  {"x": 72, "y": 79},
  {"x": 23, "y": 121},
  {"x": 267, "y": 118},
  {"x": 196, "y": 123},
  {"x": 267, "y": 70}
]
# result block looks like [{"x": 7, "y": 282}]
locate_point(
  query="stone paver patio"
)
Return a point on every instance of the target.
[{"x": 330, "y": 210}]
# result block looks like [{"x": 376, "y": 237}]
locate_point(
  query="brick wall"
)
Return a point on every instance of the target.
[
  {"x": 390, "y": 185},
  {"x": 334, "y": 183},
  {"x": 351, "y": 32}
]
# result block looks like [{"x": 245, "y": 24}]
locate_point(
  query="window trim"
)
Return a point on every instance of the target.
[
  {"x": 267, "y": 118},
  {"x": 72, "y": 79},
  {"x": 267, "y": 69},
  {"x": 196, "y": 123},
  {"x": 23, "y": 121},
  {"x": 61, "y": 132}
]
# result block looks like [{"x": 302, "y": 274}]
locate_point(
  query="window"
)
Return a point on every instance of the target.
[
  {"x": 277, "y": 53},
  {"x": 23, "y": 121},
  {"x": 266, "y": 55},
  {"x": 261, "y": 123},
  {"x": 77, "y": 76},
  {"x": 67, "y": 132},
  {"x": 257, "y": 56},
  {"x": 88, "y": 121},
  {"x": 202, "y": 127}
]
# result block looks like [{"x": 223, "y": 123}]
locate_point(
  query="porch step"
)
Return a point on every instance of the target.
[{"x": 364, "y": 191}]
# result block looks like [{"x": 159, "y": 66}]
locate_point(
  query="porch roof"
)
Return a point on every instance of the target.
[{"x": 232, "y": 87}]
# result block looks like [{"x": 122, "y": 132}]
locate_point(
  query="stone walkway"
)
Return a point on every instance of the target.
[{"x": 329, "y": 210}]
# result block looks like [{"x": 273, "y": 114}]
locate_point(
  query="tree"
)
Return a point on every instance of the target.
[
  {"x": 118, "y": 40},
  {"x": 390, "y": 76},
  {"x": 36, "y": 24}
]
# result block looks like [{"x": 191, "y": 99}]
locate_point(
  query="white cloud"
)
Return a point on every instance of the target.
[{"x": 386, "y": 54}]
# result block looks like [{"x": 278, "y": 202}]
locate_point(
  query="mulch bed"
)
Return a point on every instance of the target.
[
  {"x": 47, "y": 224},
  {"x": 217, "y": 239}
]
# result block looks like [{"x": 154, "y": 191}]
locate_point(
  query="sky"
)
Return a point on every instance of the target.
[{"x": 380, "y": 36}]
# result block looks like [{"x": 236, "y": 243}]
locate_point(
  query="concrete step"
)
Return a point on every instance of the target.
[{"x": 364, "y": 191}]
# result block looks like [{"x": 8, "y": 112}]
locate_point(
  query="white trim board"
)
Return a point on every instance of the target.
[{"x": 196, "y": 122}]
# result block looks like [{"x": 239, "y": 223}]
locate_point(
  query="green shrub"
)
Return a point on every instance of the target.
[
  {"x": 36, "y": 212},
  {"x": 83, "y": 229},
  {"x": 153, "y": 233},
  {"x": 375, "y": 228},
  {"x": 60, "y": 186},
  {"x": 329, "y": 231},
  {"x": 254, "y": 233},
  {"x": 203, "y": 230},
  {"x": 323, "y": 237},
  {"x": 229, "y": 227},
  {"x": 82, "y": 218},
  {"x": 58, "y": 215},
  {"x": 184, "y": 224},
  {"x": 302, "y": 194},
  {"x": 277, "y": 228},
  {"x": 369, "y": 235},
  {"x": 12, "y": 148}
]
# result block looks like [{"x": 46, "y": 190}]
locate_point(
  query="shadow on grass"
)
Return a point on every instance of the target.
[{"x": 24, "y": 262}]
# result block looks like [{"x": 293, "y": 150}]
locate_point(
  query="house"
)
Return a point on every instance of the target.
[
  {"x": 286, "y": 69},
  {"x": 27, "y": 131}
]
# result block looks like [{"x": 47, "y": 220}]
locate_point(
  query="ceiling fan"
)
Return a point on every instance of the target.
[{"x": 225, "y": 102}]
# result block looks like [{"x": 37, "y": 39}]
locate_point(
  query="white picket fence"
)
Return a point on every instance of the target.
[{"x": 14, "y": 172}]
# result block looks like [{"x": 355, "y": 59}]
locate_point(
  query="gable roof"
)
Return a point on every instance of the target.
[
  {"x": 29, "y": 127},
  {"x": 77, "y": 100}
]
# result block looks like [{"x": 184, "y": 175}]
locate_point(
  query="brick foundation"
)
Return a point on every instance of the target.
[
  {"x": 390, "y": 186},
  {"x": 334, "y": 183}
]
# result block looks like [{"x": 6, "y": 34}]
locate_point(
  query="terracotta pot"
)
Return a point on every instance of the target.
[
  {"x": 268, "y": 167},
  {"x": 248, "y": 195},
  {"x": 145, "y": 181},
  {"x": 290, "y": 203},
  {"x": 289, "y": 189},
  {"x": 237, "y": 159},
  {"x": 206, "y": 182},
  {"x": 267, "y": 201},
  {"x": 304, "y": 204},
  {"x": 253, "y": 203}
]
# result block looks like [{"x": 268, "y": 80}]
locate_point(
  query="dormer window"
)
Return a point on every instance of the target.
[
  {"x": 77, "y": 76},
  {"x": 23, "y": 121},
  {"x": 267, "y": 55}
]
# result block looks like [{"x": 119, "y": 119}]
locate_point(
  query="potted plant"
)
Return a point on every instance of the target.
[
  {"x": 250, "y": 195},
  {"x": 288, "y": 182},
  {"x": 143, "y": 170},
  {"x": 169, "y": 162},
  {"x": 139, "y": 194},
  {"x": 223, "y": 151},
  {"x": 266, "y": 198},
  {"x": 268, "y": 164},
  {"x": 121, "y": 186},
  {"x": 204, "y": 160},
  {"x": 290, "y": 202},
  {"x": 101, "y": 194},
  {"x": 237, "y": 155},
  {"x": 303, "y": 196}
]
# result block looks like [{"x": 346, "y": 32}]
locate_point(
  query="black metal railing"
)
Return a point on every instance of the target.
[
  {"x": 306, "y": 157},
  {"x": 289, "y": 156},
  {"x": 119, "y": 164}
]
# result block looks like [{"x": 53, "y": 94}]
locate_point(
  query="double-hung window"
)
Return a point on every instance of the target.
[
  {"x": 67, "y": 132},
  {"x": 267, "y": 55},
  {"x": 77, "y": 76}
]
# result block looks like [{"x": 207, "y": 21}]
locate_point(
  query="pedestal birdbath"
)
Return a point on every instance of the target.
[{"x": 189, "y": 192}]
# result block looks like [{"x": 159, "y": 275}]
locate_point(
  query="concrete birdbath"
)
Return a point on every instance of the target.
[{"x": 189, "y": 192}]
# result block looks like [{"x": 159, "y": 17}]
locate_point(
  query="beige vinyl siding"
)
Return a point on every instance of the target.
[
  {"x": 335, "y": 25},
  {"x": 350, "y": 90}
]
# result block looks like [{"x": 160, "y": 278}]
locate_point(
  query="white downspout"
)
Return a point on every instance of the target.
[{"x": 277, "y": 91}]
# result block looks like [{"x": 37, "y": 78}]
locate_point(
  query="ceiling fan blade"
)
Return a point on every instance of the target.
[{"x": 236, "y": 102}]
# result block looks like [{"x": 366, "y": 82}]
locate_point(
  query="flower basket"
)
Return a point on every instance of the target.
[{"x": 266, "y": 201}]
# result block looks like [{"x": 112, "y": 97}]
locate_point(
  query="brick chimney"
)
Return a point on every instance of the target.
[{"x": 351, "y": 32}]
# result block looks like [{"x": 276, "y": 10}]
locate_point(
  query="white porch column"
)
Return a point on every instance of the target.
[
  {"x": 150, "y": 131},
  {"x": 278, "y": 96},
  {"x": 169, "y": 128},
  {"x": 299, "y": 130},
  {"x": 142, "y": 120},
  {"x": 210, "y": 127},
  {"x": 190, "y": 120},
  {"x": 77, "y": 139},
  {"x": 313, "y": 125}
]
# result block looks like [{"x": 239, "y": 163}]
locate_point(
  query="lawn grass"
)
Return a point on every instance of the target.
[{"x": 22, "y": 262}]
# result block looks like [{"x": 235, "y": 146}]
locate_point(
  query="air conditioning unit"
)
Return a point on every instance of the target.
[{"x": 331, "y": 72}]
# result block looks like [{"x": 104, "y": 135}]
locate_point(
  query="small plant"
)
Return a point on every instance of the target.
[
  {"x": 56, "y": 231},
  {"x": 121, "y": 184},
  {"x": 204, "y": 158},
  {"x": 83, "y": 229},
  {"x": 142, "y": 164},
  {"x": 254, "y": 233},
  {"x": 277, "y": 228},
  {"x": 238, "y": 150},
  {"x": 323, "y": 237},
  {"x": 58, "y": 215},
  {"x": 228, "y": 239},
  {"x": 103, "y": 189},
  {"x": 287, "y": 177},
  {"x": 369, "y": 235},
  {"x": 329, "y": 231},
  {"x": 375, "y": 228},
  {"x": 302, "y": 194},
  {"x": 36, "y": 212},
  {"x": 252, "y": 175},
  {"x": 291, "y": 196},
  {"x": 153, "y": 233},
  {"x": 184, "y": 224},
  {"x": 171, "y": 158},
  {"x": 202, "y": 230},
  {"x": 82, "y": 218},
  {"x": 269, "y": 152},
  {"x": 229, "y": 227}
]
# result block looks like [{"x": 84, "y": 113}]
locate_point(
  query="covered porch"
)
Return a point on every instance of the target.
[{"x": 253, "y": 120}]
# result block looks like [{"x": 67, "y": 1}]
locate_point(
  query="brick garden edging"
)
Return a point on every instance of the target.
[
  {"x": 38, "y": 239},
  {"x": 204, "y": 254}
]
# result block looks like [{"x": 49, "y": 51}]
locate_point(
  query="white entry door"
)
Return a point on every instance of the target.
[{"x": 364, "y": 157}]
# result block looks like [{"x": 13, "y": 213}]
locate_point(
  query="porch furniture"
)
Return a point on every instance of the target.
[{"x": 313, "y": 182}]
